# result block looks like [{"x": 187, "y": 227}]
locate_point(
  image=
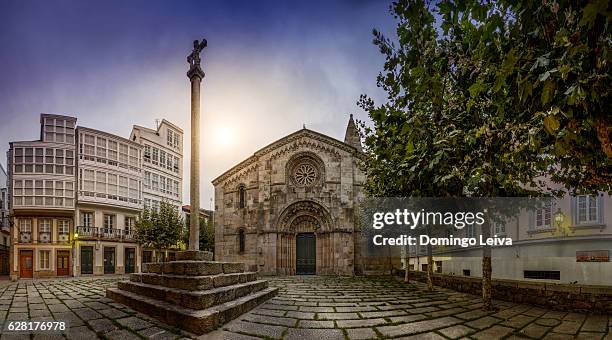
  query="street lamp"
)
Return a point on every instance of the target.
[
  {"x": 559, "y": 217},
  {"x": 75, "y": 238}
]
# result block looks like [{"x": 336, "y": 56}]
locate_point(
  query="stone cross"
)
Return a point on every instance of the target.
[{"x": 195, "y": 75}]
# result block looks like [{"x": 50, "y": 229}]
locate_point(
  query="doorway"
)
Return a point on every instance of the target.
[
  {"x": 306, "y": 261},
  {"x": 86, "y": 260},
  {"x": 63, "y": 263},
  {"x": 26, "y": 261},
  {"x": 109, "y": 260},
  {"x": 130, "y": 260}
]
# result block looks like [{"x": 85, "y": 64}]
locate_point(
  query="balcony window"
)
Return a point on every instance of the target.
[
  {"x": 87, "y": 219},
  {"x": 155, "y": 159},
  {"x": 587, "y": 209},
  {"x": 109, "y": 223},
  {"x": 162, "y": 157}
]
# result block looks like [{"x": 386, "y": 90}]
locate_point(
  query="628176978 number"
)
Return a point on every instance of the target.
[{"x": 35, "y": 326}]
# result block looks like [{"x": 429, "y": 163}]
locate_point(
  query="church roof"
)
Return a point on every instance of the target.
[{"x": 282, "y": 141}]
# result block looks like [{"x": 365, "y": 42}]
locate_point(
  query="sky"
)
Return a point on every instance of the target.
[{"x": 271, "y": 66}]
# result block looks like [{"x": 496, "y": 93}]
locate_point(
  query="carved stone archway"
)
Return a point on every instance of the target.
[{"x": 305, "y": 216}]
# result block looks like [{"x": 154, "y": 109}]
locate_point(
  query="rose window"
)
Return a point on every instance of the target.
[{"x": 305, "y": 174}]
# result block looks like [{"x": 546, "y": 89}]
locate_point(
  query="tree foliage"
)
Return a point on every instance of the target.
[
  {"x": 490, "y": 98},
  {"x": 159, "y": 229}
]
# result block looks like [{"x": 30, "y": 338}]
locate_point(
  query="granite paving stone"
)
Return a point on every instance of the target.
[{"x": 307, "y": 307}]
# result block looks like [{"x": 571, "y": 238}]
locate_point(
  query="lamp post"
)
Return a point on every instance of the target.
[
  {"x": 559, "y": 218},
  {"x": 75, "y": 238}
]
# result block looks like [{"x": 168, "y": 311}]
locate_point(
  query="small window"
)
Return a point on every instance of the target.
[
  {"x": 44, "y": 259},
  {"x": 466, "y": 272},
  {"x": 499, "y": 228},
  {"x": 25, "y": 226},
  {"x": 542, "y": 274},
  {"x": 438, "y": 266},
  {"x": 470, "y": 230},
  {"x": 44, "y": 226},
  {"x": 242, "y": 196},
  {"x": 424, "y": 267},
  {"x": 63, "y": 227},
  {"x": 241, "y": 241}
]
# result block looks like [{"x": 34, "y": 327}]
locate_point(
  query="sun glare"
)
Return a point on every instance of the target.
[{"x": 225, "y": 136}]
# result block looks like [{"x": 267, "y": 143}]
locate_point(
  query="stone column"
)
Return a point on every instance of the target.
[{"x": 195, "y": 75}]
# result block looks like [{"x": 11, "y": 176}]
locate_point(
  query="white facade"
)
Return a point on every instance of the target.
[
  {"x": 109, "y": 200},
  {"x": 162, "y": 163},
  {"x": 574, "y": 248},
  {"x": 42, "y": 197}
]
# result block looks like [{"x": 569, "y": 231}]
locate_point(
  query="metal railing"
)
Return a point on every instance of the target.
[{"x": 105, "y": 233}]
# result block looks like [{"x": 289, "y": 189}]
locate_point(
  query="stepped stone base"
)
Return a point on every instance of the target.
[{"x": 193, "y": 292}]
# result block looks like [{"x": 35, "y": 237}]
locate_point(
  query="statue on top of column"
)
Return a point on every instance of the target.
[{"x": 194, "y": 58}]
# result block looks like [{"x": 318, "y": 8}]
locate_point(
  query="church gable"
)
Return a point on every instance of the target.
[{"x": 302, "y": 140}]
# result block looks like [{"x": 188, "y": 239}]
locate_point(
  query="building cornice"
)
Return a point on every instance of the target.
[{"x": 108, "y": 134}]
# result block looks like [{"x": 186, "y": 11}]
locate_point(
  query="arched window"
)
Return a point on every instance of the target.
[
  {"x": 241, "y": 197},
  {"x": 241, "y": 241}
]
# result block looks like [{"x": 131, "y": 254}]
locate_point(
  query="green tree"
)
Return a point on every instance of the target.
[
  {"x": 472, "y": 112},
  {"x": 159, "y": 229},
  {"x": 207, "y": 234}
]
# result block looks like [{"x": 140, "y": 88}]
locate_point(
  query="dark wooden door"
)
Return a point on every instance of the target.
[
  {"x": 86, "y": 260},
  {"x": 306, "y": 261},
  {"x": 26, "y": 263},
  {"x": 63, "y": 263},
  {"x": 109, "y": 260},
  {"x": 130, "y": 260}
]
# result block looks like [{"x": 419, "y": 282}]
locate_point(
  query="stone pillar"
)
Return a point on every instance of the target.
[{"x": 195, "y": 75}]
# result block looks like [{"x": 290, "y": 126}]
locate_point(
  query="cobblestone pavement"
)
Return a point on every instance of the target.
[
  {"x": 82, "y": 304},
  {"x": 369, "y": 308},
  {"x": 319, "y": 308}
]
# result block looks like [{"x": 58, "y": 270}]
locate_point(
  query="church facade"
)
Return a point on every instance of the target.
[{"x": 291, "y": 207}]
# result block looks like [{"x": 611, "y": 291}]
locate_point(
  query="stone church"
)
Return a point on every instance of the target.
[{"x": 290, "y": 208}]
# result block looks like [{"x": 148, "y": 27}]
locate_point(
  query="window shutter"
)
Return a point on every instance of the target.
[
  {"x": 574, "y": 210},
  {"x": 531, "y": 219},
  {"x": 600, "y": 208}
]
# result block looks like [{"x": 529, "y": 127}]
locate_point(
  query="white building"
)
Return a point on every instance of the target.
[
  {"x": 568, "y": 240},
  {"x": 42, "y": 197},
  {"x": 162, "y": 163},
  {"x": 109, "y": 200},
  {"x": 5, "y": 231}
]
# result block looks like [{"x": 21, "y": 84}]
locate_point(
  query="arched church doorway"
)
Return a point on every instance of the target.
[
  {"x": 306, "y": 254},
  {"x": 304, "y": 243}
]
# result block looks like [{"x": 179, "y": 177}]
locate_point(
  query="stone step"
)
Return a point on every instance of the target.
[
  {"x": 195, "y": 321},
  {"x": 193, "y": 282},
  {"x": 194, "y": 299},
  {"x": 195, "y": 268}
]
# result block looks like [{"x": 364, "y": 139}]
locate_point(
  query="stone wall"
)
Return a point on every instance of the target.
[{"x": 566, "y": 297}]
